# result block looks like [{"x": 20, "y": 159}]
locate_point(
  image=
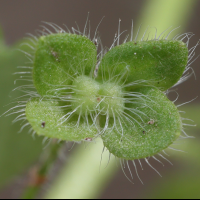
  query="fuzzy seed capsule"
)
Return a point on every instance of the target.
[
  {"x": 85, "y": 95},
  {"x": 112, "y": 99}
]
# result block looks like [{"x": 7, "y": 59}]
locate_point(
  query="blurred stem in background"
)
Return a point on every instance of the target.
[
  {"x": 40, "y": 172},
  {"x": 162, "y": 14},
  {"x": 80, "y": 178},
  {"x": 85, "y": 174}
]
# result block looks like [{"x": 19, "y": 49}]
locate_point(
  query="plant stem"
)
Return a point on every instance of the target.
[
  {"x": 83, "y": 177},
  {"x": 165, "y": 14},
  {"x": 38, "y": 177}
]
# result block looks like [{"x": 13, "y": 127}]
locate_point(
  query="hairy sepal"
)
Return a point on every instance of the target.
[
  {"x": 59, "y": 58},
  {"x": 46, "y": 118},
  {"x": 160, "y": 63},
  {"x": 159, "y": 125}
]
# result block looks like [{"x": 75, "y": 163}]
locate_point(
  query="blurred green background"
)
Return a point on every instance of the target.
[{"x": 80, "y": 175}]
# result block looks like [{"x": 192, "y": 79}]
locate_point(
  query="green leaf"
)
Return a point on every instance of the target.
[
  {"x": 47, "y": 118},
  {"x": 149, "y": 124},
  {"x": 157, "y": 62},
  {"x": 59, "y": 58}
]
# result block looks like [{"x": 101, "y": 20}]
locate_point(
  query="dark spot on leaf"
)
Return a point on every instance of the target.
[
  {"x": 88, "y": 139},
  {"x": 151, "y": 122},
  {"x": 98, "y": 99},
  {"x": 55, "y": 55},
  {"x": 43, "y": 124}
]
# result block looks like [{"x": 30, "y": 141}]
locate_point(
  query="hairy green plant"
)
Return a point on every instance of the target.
[{"x": 81, "y": 90}]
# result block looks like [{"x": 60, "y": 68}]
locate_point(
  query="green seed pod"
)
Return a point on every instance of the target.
[
  {"x": 159, "y": 63},
  {"x": 111, "y": 99},
  {"x": 48, "y": 118},
  {"x": 147, "y": 126},
  {"x": 85, "y": 94},
  {"x": 59, "y": 58}
]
